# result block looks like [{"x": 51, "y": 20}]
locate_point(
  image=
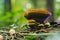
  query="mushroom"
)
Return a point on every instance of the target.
[{"x": 1, "y": 37}]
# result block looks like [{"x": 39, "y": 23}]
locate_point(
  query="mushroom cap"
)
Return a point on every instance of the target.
[
  {"x": 1, "y": 37},
  {"x": 31, "y": 21},
  {"x": 12, "y": 31},
  {"x": 40, "y": 16}
]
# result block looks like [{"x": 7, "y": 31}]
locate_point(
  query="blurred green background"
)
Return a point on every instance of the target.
[{"x": 11, "y": 11}]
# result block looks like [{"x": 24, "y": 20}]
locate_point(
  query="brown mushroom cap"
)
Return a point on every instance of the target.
[{"x": 37, "y": 15}]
